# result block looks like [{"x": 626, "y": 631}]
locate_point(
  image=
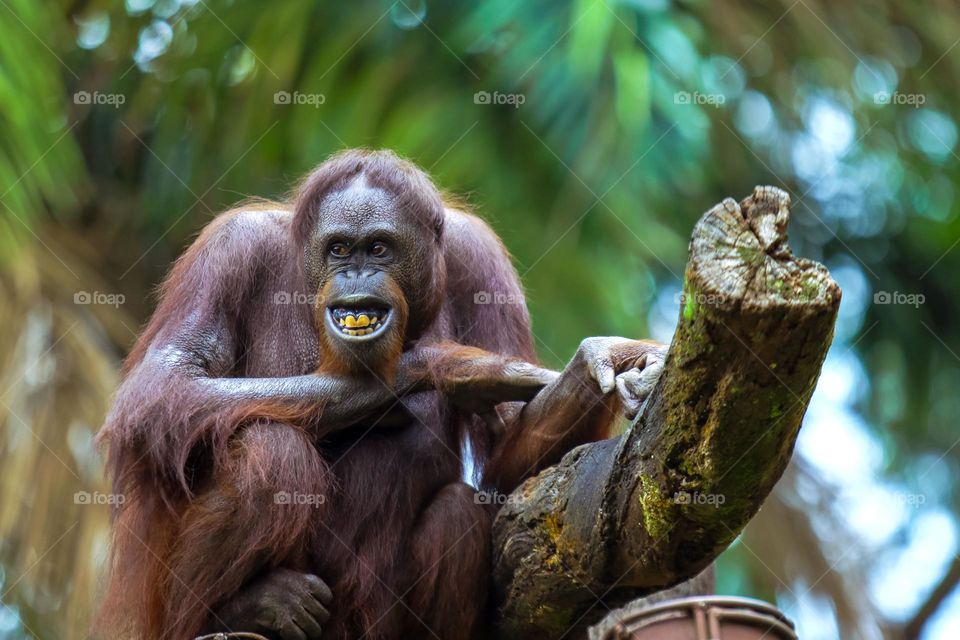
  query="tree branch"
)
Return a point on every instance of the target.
[
  {"x": 940, "y": 593},
  {"x": 638, "y": 513}
]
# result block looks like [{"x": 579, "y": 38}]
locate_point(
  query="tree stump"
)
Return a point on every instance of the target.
[{"x": 639, "y": 513}]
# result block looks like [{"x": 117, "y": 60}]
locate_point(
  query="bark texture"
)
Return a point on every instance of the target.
[{"x": 630, "y": 516}]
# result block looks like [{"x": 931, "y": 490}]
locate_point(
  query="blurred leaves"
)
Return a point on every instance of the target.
[{"x": 39, "y": 160}]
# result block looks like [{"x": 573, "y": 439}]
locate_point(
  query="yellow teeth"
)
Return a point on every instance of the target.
[
  {"x": 359, "y": 324},
  {"x": 362, "y": 321}
]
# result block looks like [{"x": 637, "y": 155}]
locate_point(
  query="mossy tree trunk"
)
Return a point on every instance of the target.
[{"x": 635, "y": 514}]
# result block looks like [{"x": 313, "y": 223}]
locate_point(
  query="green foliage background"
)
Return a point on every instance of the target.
[{"x": 594, "y": 182}]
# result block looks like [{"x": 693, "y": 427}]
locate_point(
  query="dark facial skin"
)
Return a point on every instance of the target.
[{"x": 363, "y": 261}]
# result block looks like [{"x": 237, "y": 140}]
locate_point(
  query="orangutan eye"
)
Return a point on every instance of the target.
[
  {"x": 378, "y": 249},
  {"x": 339, "y": 250}
]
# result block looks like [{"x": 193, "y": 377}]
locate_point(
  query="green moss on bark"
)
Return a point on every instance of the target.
[{"x": 657, "y": 508}]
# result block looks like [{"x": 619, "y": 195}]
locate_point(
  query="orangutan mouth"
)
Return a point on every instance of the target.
[{"x": 359, "y": 322}]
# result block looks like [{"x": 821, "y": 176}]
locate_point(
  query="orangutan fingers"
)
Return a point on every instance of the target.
[
  {"x": 307, "y": 623},
  {"x": 628, "y": 397},
  {"x": 319, "y": 589},
  {"x": 634, "y": 387}
]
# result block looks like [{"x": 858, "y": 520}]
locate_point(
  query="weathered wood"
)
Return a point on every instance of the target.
[{"x": 638, "y": 513}]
